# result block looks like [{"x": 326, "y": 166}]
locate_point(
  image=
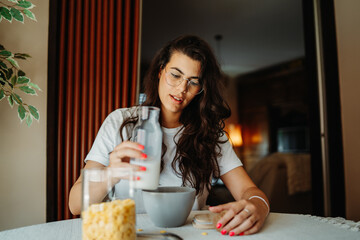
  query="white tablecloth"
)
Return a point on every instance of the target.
[{"x": 278, "y": 226}]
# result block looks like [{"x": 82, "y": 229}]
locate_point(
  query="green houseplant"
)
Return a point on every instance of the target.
[{"x": 13, "y": 81}]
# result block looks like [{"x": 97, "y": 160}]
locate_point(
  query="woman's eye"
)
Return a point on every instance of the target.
[
  {"x": 194, "y": 83},
  {"x": 175, "y": 75}
]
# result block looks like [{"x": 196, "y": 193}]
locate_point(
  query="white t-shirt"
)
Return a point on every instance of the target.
[{"x": 108, "y": 138}]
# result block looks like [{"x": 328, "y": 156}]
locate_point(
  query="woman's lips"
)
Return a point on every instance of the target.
[{"x": 177, "y": 99}]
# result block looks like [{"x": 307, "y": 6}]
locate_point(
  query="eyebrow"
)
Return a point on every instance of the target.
[{"x": 177, "y": 69}]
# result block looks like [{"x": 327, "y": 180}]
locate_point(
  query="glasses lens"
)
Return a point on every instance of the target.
[
  {"x": 194, "y": 87},
  {"x": 175, "y": 79}
]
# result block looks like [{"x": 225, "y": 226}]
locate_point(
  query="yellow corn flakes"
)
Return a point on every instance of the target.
[{"x": 110, "y": 220}]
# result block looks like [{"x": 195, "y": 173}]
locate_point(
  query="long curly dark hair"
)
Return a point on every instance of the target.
[{"x": 203, "y": 119}]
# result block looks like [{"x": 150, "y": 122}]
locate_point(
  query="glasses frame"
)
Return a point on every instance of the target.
[{"x": 183, "y": 78}]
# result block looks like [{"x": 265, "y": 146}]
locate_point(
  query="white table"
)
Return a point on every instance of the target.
[{"x": 278, "y": 226}]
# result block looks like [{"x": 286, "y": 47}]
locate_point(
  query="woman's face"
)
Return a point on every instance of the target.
[{"x": 175, "y": 99}]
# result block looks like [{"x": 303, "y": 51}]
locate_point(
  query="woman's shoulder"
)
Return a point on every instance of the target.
[
  {"x": 118, "y": 116},
  {"x": 122, "y": 113},
  {"x": 115, "y": 119},
  {"x": 223, "y": 137}
]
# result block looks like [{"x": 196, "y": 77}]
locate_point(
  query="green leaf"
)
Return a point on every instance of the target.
[
  {"x": 17, "y": 98},
  {"x": 27, "y": 90},
  {"x": 13, "y": 81},
  {"x": 5, "y": 53},
  {"x": 34, "y": 112},
  {"x": 22, "y": 80},
  {"x": 11, "y": 101},
  {"x": 34, "y": 85},
  {"x": 14, "y": 1},
  {"x": 21, "y": 112},
  {"x": 21, "y": 73},
  {"x": 3, "y": 65},
  {"x": 13, "y": 62},
  {"x": 9, "y": 73},
  {"x": 29, "y": 120},
  {"x": 2, "y": 94},
  {"x": 30, "y": 14},
  {"x": 24, "y": 4},
  {"x": 5, "y": 13},
  {"x": 17, "y": 15},
  {"x": 3, "y": 74},
  {"x": 21, "y": 55}
]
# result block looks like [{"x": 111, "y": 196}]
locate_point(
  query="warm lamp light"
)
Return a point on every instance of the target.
[
  {"x": 235, "y": 135},
  {"x": 256, "y": 138}
]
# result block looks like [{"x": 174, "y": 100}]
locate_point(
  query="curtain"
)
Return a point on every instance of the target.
[{"x": 93, "y": 72}]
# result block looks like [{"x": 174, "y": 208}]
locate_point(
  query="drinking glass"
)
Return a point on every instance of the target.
[{"x": 112, "y": 216}]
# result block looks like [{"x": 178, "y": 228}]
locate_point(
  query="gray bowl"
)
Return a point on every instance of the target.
[{"x": 169, "y": 206}]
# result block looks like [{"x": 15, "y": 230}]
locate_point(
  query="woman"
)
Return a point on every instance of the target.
[{"x": 184, "y": 81}]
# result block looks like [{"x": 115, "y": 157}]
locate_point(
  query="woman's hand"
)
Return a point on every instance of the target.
[
  {"x": 248, "y": 213},
  {"x": 242, "y": 217},
  {"x": 120, "y": 158},
  {"x": 122, "y": 153}
]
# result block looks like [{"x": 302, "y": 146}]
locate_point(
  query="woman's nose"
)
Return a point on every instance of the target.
[{"x": 183, "y": 87}]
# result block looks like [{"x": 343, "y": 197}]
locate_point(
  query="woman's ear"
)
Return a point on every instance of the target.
[{"x": 160, "y": 70}]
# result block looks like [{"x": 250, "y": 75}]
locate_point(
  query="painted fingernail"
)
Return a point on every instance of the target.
[
  {"x": 218, "y": 225},
  {"x": 223, "y": 232},
  {"x": 231, "y": 234},
  {"x": 242, "y": 233},
  {"x": 143, "y": 156},
  {"x": 137, "y": 178},
  {"x": 141, "y": 147},
  {"x": 142, "y": 168}
]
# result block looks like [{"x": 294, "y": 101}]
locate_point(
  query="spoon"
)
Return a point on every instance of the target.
[{"x": 165, "y": 236}]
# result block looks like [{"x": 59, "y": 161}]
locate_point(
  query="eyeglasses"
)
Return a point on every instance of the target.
[{"x": 174, "y": 79}]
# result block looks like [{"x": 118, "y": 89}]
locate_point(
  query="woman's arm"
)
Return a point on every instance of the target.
[
  {"x": 240, "y": 184},
  {"x": 248, "y": 213},
  {"x": 75, "y": 195}
]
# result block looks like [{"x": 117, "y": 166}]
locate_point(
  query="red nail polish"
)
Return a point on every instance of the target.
[
  {"x": 137, "y": 178},
  {"x": 218, "y": 225},
  {"x": 143, "y": 156},
  {"x": 223, "y": 232},
  {"x": 141, "y": 147},
  {"x": 142, "y": 168},
  {"x": 231, "y": 234},
  {"x": 242, "y": 233}
]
